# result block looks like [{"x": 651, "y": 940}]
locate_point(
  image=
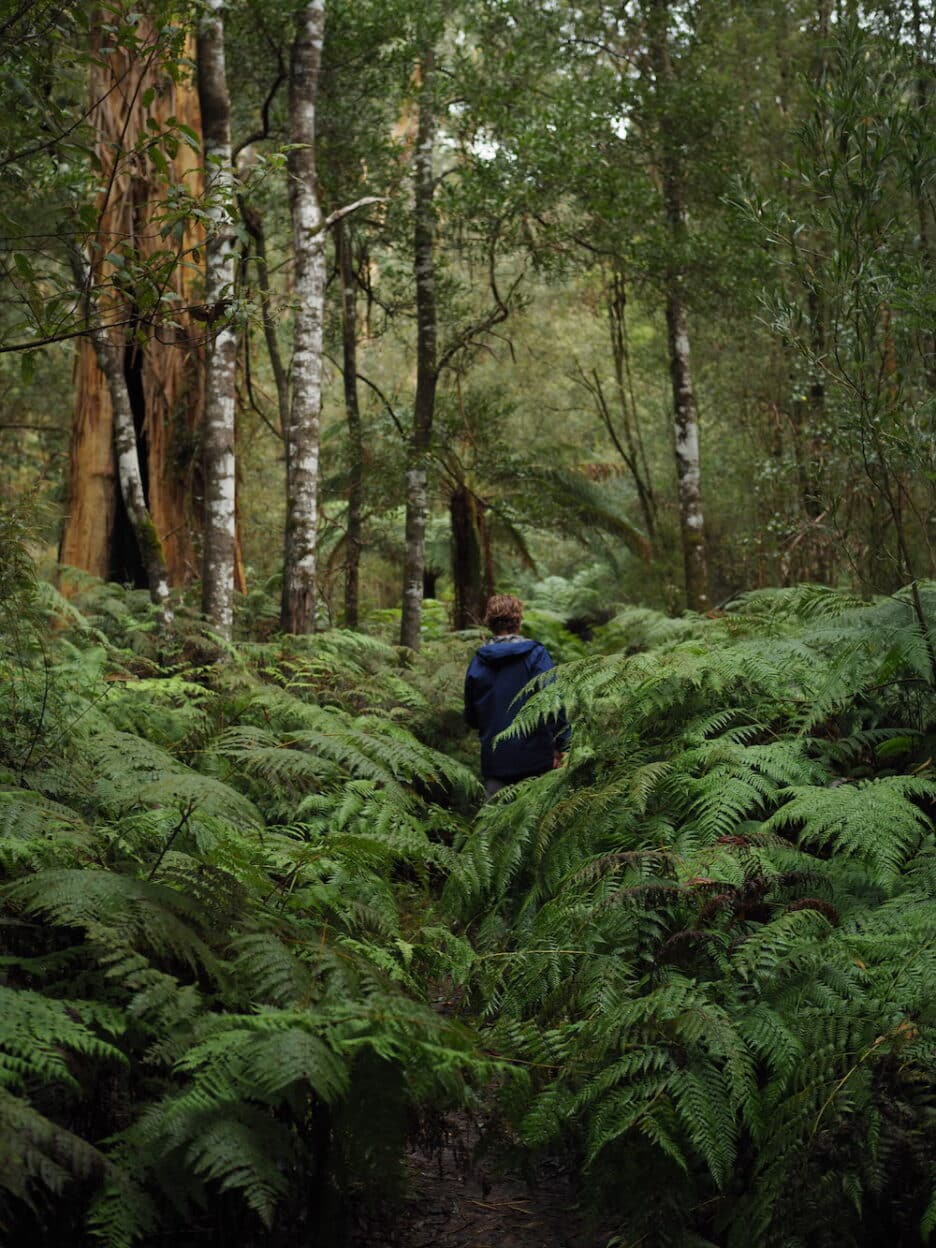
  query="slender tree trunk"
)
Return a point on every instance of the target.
[
  {"x": 923, "y": 94},
  {"x": 254, "y": 225},
  {"x": 634, "y": 457},
  {"x": 427, "y": 375},
  {"x": 355, "y": 431},
  {"x": 126, "y": 452},
  {"x": 302, "y": 433},
  {"x": 218, "y": 557},
  {"x": 692, "y": 520}
]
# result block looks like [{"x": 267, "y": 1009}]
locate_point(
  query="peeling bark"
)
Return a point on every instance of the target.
[
  {"x": 126, "y": 451},
  {"x": 302, "y": 434},
  {"x": 688, "y": 470},
  {"x": 169, "y": 372},
  {"x": 355, "y": 432},
  {"x": 427, "y": 373},
  {"x": 218, "y": 550}
]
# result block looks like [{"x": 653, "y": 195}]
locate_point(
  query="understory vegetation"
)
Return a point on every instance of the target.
[{"x": 695, "y": 965}]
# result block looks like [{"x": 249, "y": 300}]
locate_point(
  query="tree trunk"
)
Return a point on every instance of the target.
[
  {"x": 692, "y": 521},
  {"x": 254, "y": 225},
  {"x": 355, "y": 432},
  {"x": 468, "y": 559},
  {"x": 635, "y": 456},
  {"x": 218, "y": 550},
  {"x": 427, "y": 376},
  {"x": 923, "y": 95},
  {"x": 126, "y": 453},
  {"x": 164, "y": 377},
  {"x": 302, "y": 434}
]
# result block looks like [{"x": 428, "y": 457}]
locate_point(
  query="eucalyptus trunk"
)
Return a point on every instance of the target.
[
  {"x": 686, "y": 422},
  {"x": 427, "y": 373},
  {"x": 165, "y": 384},
  {"x": 302, "y": 432},
  {"x": 219, "y": 543},
  {"x": 355, "y": 431},
  {"x": 110, "y": 360}
]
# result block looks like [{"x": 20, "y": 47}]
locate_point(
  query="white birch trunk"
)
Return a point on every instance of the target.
[
  {"x": 427, "y": 373},
  {"x": 218, "y": 557},
  {"x": 302, "y": 433}
]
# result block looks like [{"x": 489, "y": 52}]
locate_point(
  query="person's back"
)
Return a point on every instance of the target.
[{"x": 497, "y": 674}]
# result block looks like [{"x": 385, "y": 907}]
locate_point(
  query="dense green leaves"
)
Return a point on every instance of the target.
[{"x": 711, "y": 936}]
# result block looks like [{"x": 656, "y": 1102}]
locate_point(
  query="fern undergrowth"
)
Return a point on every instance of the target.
[
  {"x": 696, "y": 964},
  {"x": 217, "y": 869},
  {"x": 712, "y": 938}
]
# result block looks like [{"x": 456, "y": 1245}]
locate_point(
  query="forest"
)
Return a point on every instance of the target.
[{"x": 321, "y": 323}]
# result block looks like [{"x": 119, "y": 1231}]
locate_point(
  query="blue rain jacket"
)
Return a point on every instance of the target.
[{"x": 495, "y": 676}]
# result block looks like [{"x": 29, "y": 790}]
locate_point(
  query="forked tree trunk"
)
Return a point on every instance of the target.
[
  {"x": 219, "y": 544},
  {"x": 164, "y": 376},
  {"x": 302, "y": 434},
  {"x": 427, "y": 376},
  {"x": 355, "y": 432},
  {"x": 688, "y": 469}
]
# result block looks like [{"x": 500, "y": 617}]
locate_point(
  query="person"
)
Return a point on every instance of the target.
[{"x": 496, "y": 675}]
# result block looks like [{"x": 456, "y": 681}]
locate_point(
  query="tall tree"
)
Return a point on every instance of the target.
[
  {"x": 686, "y": 423},
  {"x": 427, "y": 373},
  {"x": 218, "y": 547},
  {"x": 354, "y": 525},
  {"x": 144, "y": 119},
  {"x": 297, "y": 613},
  {"x": 109, "y": 351}
]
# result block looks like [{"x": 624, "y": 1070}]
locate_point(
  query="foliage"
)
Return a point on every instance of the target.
[
  {"x": 711, "y": 937},
  {"x": 213, "y": 881}
]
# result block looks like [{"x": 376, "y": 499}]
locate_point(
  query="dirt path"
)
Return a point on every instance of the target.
[{"x": 454, "y": 1202}]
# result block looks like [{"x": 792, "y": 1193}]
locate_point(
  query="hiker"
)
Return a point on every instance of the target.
[{"x": 495, "y": 676}]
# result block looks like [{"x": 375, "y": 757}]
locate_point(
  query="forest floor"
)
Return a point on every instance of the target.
[{"x": 456, "y": 1200}]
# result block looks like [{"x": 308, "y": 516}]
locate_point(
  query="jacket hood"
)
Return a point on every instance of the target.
[{"x": 497, "y": 652}]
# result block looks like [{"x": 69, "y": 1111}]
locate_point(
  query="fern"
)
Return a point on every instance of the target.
[{"x": 722, "y": 912}]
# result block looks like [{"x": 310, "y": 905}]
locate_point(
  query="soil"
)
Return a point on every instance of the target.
[{"x": 454, "y": 1200}]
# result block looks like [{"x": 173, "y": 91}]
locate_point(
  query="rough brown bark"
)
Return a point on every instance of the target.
[
  {"x": 688, "y": 468},
  {"x": 355, "y": 432},
  {"x": 109, "y": 352},
  {"x": 427, "y": 374},
  {"x": 302, "y": 435},
  {"x": 218, "y": 547},
  {"x": 166, "y": 371}
]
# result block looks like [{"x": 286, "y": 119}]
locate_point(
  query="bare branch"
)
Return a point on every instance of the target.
[{"x": 340, "y": 213}]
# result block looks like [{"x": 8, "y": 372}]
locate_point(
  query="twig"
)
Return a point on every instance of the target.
[{"x": 183, "y": 822}]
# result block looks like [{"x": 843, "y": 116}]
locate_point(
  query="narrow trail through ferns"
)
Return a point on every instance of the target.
[{"x": 694, "y": 969}]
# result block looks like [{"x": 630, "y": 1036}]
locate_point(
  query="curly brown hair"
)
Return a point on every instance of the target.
[{"x": 503, "y": 613}]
